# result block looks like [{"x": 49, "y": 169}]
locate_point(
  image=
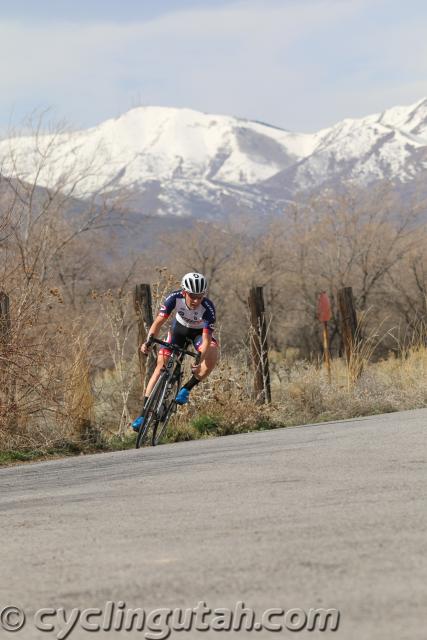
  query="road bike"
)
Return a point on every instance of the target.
[{"x": 161, "y": 404}]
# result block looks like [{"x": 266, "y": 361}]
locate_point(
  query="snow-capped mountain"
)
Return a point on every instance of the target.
[
  {"x": 391, "y": 145},
  {"x": 183, "y": 162}
]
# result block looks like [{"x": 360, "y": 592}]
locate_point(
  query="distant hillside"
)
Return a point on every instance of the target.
[{"x": 179, "y": 162}]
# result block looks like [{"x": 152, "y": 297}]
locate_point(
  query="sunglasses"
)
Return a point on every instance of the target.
[{"x": 195, "y": 296}]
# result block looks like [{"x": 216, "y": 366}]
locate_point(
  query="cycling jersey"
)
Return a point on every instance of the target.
[{"x": 202, "y": 317}]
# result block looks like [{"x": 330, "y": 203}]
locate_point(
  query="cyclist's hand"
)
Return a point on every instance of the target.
[{"x": 146, "y": 346}]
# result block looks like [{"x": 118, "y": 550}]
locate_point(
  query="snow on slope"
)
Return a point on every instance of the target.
[
  {"x": 178, "y": 160},
  {"x": 391, "y": 145},
  {"x": 164, "y": 144}
]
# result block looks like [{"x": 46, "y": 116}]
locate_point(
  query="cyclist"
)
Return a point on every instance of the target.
[{"x": 194, "y": 322}]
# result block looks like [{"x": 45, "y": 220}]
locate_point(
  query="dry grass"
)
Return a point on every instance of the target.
[
  {"x": 79, "y": 398},
  {"x": 90, "y": 414},
  {"x": 302, "y": 395},
  {"x": 394, "y": 384}
]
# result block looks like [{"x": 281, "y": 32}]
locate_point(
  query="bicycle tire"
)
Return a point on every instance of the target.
[
  {"x": 150, "y": 412},
  {"x": 159, "y": 429}
]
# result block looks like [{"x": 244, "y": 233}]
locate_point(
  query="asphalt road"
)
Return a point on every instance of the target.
[{"x": 321, "y": 516}]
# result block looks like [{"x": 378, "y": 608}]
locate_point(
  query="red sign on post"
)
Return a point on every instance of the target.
[{"x": 324, "y": 307}]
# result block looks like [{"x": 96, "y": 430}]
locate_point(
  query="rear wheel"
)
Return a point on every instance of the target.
[
  {"x": 151, "y": 417},
  {"x": 168, "y": 409}
]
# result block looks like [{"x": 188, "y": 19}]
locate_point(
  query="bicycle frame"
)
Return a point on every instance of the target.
[
  {"x": 175, "y": 359},
  {"x": 171, "y": 373}
]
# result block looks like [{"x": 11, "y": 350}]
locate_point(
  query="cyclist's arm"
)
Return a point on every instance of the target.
[
  {"x": 209, "y": 318},
  {"x": 157, "y": 324},
  {"x": 165, "y": 310},
  {"x": 154, "y": 330}
]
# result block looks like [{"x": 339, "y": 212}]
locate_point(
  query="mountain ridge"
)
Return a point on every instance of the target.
[{"x": 183, "y": 162}]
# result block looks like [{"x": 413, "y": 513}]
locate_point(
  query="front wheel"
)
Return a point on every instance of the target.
[
  {"x": 168, "y": 409},
  {"x": 151, "y": 417}
]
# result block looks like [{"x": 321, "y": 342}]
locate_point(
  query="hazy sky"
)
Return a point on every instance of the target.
[{"x": 298, "y": 64}]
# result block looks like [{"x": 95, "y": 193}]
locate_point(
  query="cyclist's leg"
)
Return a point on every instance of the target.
[
  {"x": 162, "y": 359},
  {"x": 177, "y": 336},
  {"x": 211, "y": 357},
  {"x": 209, "y": 362}
]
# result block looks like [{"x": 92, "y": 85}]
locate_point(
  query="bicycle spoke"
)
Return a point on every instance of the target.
[
  {"x": 169, "y": 407},
  {"x": 150, "y": 413}
]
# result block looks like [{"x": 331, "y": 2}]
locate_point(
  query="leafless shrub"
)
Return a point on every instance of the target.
[
  {"x": 114, "y": 389},
  {"x": 45, "y": 259}
]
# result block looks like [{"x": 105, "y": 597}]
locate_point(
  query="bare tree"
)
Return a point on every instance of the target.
[{"x": 45, "y": 255}]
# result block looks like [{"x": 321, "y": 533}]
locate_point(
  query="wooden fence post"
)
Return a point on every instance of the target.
[
  {"x": 7, "y": 380},
  {"x": 144, "y": 311},
  {"x": 259, "y": 346},
  {"x": 5, "y": 324},
  {"x": 348, "y": 320},
  {"x": 324, "y": 313}
]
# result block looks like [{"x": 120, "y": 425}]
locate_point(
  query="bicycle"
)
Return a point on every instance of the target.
[{"x": 161, "y": 404}]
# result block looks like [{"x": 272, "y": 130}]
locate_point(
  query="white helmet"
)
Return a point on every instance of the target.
[{"x": 194, "y": 283}]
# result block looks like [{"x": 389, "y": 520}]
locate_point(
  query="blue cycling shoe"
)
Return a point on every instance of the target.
[
  {"x": 182, "y": 396},
  {"x": 137, "y": 423}
]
